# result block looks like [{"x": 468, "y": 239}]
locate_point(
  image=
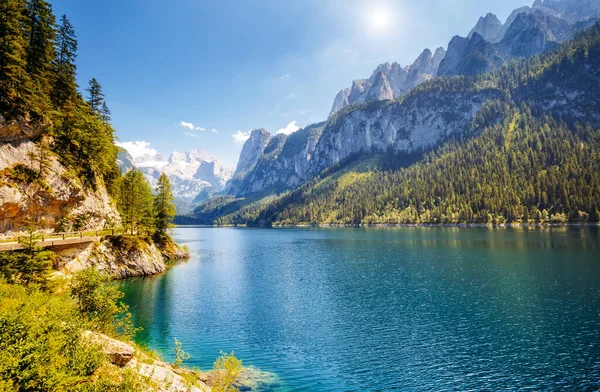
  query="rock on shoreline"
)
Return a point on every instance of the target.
[{"x": 121, "y": 257}]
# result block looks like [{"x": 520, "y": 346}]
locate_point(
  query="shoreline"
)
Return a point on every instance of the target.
[{"x": 392, "y": 225}]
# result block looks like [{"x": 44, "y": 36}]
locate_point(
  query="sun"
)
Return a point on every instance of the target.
[{"x": 380, "y": 19}]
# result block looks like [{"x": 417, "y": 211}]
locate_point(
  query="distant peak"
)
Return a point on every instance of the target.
[{"x": 488, "y": 27}]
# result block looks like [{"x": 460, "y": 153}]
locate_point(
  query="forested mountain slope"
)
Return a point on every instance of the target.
[{"x": 530, "y": 152}]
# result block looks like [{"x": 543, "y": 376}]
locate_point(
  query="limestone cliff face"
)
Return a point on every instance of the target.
[
  {"x": 420, "y": 122},
  {"x": 253, "y": 150},
  {"x": 119, "y": 257},
  {"x": 390, "y": 81},
  {"x": 55, "y": 197},
  {"x": 488, "y": 27},
  {"x": 285, "y": 163}
]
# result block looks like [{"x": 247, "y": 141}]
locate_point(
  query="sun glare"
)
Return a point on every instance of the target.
[{"x": 380, "y": 19}]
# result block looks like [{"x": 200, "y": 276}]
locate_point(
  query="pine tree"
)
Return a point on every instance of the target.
[
  {"x": 65, "y": 85},
  {"x": 96, "y": 97},
  {"x": 40, "y": 36},
  {"x": 164, "y": 210},
  {"x": 135, "y": 202},
  {"x": 15, "y": 83},
  {"x": 105, "y": 113}
]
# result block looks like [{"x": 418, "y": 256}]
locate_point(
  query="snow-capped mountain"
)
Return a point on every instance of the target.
[{"x": 194, "y": 175}]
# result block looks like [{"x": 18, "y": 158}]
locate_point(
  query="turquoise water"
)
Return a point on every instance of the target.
[{"x": 410, "y": 309}]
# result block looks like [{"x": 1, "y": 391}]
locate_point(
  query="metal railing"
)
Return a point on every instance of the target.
[{"x": 36, "y": 237}]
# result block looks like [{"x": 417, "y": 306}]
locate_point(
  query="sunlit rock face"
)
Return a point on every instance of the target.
[
  {"x": 390, "y": 81},
  {"x": 419, "y": 122},
  {"x": 56, "y": 200},
  {"x": 488, "y": 27}
]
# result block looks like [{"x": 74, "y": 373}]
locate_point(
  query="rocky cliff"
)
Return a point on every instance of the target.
[
  {"x": 418, "y": 123},
  {"x": 120, "y": 257},
  {"x": 35, "y": 186},
  {"x": 390, "y": 81},
  {"x": 488, "y": 27}
]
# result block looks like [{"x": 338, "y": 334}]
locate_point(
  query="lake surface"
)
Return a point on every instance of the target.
[{"x": 412, "y": 309}]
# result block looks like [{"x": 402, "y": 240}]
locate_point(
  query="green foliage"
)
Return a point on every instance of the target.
[
  {"x": 16, "y": 90},
  {"x": 136, "y": 203},
  {"x": 30, "y": 266},
  {"x": 65, "y": 85},
  {"x": 40, "y": 344},
  {"x": 96, "y": 97},
  {"x": 164, "y": 209},
  {"x": 39, "y": 33},
  {"x": 38, "y": 88},
  {"x": 100, "y": 303},
  {"x": 180, "y": 355},
  {"x": 85, "y": 143},
  {"x": 227, "y": 368}
]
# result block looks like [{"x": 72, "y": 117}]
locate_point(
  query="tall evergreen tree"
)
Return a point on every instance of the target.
[
  {"x": 135, "y": 203},
  {"x": 96, "y": 97},
  {"x": 15, "y": 83},
  {"x": 40, "y": 35},
  {"x": 105, "y": 113},
  {"x": 164, "y": 210},
  {"x": 65, "y": 85}
]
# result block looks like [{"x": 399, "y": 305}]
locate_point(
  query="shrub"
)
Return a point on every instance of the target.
[
  {"x": 40, "y": 345},
  {"x": 100, "y": 303},
  {"x": 228, "y": 368}
]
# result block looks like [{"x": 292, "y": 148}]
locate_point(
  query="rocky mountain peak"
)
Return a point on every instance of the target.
[
  {"x": 572, "y": 10},
  {"x": 423, "y": 63},
  {"x": 381, "y": 89},
  {"x": 488, "y": 27},
  {"x": 438, "y": 56},
  {"x": 456, "y": 48},
  {"x": 384, "y": 68},
  {"x": 253, "y": 149},
  {"x": 534, "y": 32},
  {"x": 191, "y": 173}
]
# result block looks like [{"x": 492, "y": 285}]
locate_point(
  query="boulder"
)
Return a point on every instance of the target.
[{"x": 117, "y": 352}]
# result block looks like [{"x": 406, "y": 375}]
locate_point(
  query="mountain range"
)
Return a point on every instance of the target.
[
  {"x": 480, "y": 81},
  {"x": 490, "y": 44},
  {"x": 195, "y": 175},
  {"x": 276, "y": 163}
]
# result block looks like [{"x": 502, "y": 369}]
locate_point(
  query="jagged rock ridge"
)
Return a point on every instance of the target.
[
  {"x": 527, "y": 31},
  {"x": 390, "y": 81}
]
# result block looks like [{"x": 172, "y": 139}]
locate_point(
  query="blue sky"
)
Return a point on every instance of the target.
[{"x": 193, "y": 73}]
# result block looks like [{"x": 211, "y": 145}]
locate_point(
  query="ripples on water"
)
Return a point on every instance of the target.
[{"x": 382, "y": 309}]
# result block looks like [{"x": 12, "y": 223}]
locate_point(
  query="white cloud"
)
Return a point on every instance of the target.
[
  {"x": 284, "y": 77},
  {"x": 137, "y": 149},
  {"x": 191, "y": 126},
  {"x": 214, "y": 131},
  {"x": 291, "y": 128},
  {"x": 191, "y": 134},
  {"x": 241, "y": 137}
]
